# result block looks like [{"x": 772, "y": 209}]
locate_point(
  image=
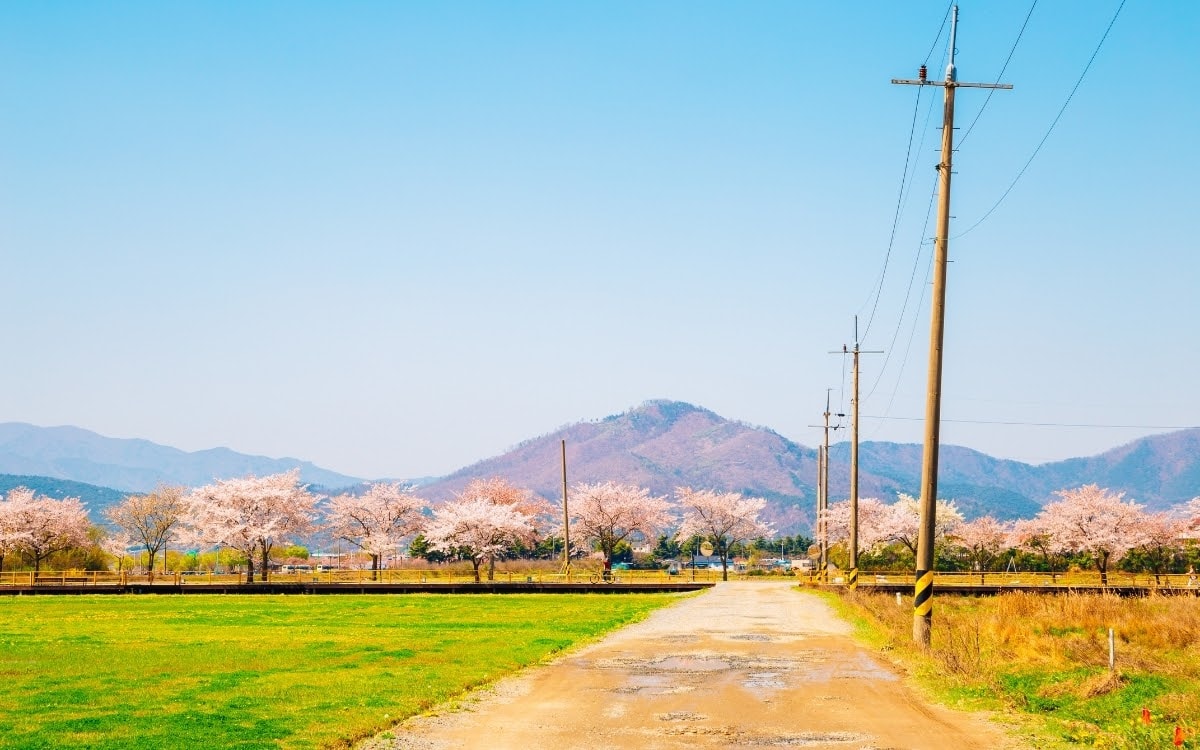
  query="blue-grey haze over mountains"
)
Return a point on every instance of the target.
[{"x": 660, "y": 445}]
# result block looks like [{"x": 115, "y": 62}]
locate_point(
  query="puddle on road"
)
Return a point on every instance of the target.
[
  {"x": 765, "y": 681},
  {"x": 676, "y": 664},
  {"x": 805, "y": 739},
  {"x": 651, "y": 684},
  {"x": 680, "y": 716}
]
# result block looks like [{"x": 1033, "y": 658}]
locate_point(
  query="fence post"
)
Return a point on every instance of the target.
[{"x": 1112, "y": 651}]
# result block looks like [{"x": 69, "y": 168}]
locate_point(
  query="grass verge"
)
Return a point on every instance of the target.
[
  {"x": 267, "y": 671},
  {"x": 1046, "y": 657}
]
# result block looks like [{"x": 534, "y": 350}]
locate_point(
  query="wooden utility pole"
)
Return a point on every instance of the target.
[
  {"x": 823, "y": 489},
  {"x": 852, "y": 576},
  {"x": 923, "y": 592},
  {"x": 822, "y": 501},
  {"x": 566, "y": 565}
]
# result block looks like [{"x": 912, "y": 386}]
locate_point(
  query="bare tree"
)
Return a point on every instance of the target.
[{"x": 150, "y": 520}]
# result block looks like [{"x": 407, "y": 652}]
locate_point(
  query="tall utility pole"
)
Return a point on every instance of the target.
[
  {"x": 566, "y": 566},
  {"x": 923, "y": 592},
  {"x": 822, "y": 503},
  {"x": 852, "y": 578},
  {"x": 823, "y": 490}
]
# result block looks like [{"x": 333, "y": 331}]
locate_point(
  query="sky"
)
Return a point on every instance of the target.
[{"x": 398, "y": 238}]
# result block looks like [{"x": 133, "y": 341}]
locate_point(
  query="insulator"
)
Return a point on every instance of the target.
[{"x": 922, "y": 73}]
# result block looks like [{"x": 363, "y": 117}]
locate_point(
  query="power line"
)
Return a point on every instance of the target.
[
  {"x": 912, "y": 128},
  {"x": 905, "y": 182},
  {"x": 938, "y": 38},
  {"x": 916, "y": 316},
  {"x": 1044, "y": 424},
  {"x": 1051, "y": 128},
  {"x": 999, "y": 75}
]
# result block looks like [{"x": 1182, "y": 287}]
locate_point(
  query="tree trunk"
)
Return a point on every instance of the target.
[
  {"x": 1102, "y": 564},
  {"x": 374, "y": 567},
  {"x": 250, "y": 568},
  {"x": 153, "y": 552},
  {"x": 475, "y": 562},
  {"x": 266, "y": 551},
  {"x": 491, "y": 567}
]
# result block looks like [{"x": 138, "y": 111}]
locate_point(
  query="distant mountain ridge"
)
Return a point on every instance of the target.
[
  {"x": 665, "y": 444},
  {"x": 660, "y": 445},
  {"x": 93, "y": 497},
  {"x": 135, "y": 465}
]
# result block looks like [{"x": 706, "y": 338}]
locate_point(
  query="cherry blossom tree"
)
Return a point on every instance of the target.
[
  {"x": 874, "y": 522},
  {"x": 41, "y": 526},
  {"x": 250, "y": 514},
  {"x": 14, "y": 509},
  {"x": 151, "y": 520},
  {"x": 982, "y": 540},
  {"x": 1161, "y": 539},
  {"x": 608, "y": 514},
  {"x": 1095, "y": 522},
  {"x": 723, "y": 518},
  {"x": 478, "y": 530},
  {"x": 1032, "y": 535},
  {"x": 118, "y": 546},
  {"x": 499, "y": 491},
  {"x": 377, "y": 521},
  {"x": 1191, "y": 513},
  {"x": 903, "y": 521}
]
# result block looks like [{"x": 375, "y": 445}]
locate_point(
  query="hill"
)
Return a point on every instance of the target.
[
  {"x": 660, "y": 445},
  {"x": 135, "y": 465},
  {"x": 665, "y": 444},
  {"x": 95, "y": 498}
]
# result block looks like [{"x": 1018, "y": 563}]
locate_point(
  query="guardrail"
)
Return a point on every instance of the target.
[
  {"x": 881, "y": 579},
  {"x": 1027, "y": 580},
  {"x": 362, "y": 577}
]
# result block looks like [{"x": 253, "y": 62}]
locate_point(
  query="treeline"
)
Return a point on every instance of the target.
[
  {"x": 1089, "y": 527},
  {"x": 251, "y": 519}
]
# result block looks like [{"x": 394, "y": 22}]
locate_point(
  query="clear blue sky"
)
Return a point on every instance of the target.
[{"x": 396, "y": 238}]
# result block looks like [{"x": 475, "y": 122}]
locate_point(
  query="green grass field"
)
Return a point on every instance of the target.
[{"x": 267, "y": 671}]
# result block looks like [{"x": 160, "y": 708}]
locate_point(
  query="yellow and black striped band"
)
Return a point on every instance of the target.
[{"x": 923, "y": 600}]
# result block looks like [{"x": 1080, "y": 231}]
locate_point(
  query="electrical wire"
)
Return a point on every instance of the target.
[
  {"x": 887, "y": 257},
  {"x": 1050, "y": 129},
  {"x": 938, "y": 38},
  {"x": 1044, "y": 424},
  {"x": 904, "y": 309},
  {"x": 905, "y": 185},
  {"x": 999, "y": 75}
]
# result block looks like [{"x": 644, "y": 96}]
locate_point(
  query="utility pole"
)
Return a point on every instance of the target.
[
  {"x": 923, "y": 592},
  {"x": 823, "y": 490},
  {"x": 566, "y": 565},
  {"x": 852, "y": 578}
]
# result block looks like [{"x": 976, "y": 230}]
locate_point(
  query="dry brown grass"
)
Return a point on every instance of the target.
[{"x": 1048, "y": 654}]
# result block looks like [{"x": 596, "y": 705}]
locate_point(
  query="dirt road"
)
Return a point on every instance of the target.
[{"x": 743, "y": 665}]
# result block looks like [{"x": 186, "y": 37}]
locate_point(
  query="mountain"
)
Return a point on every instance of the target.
[
  {"x": 95, "y": 498},
  {"x": 660, "y": 445},
  {"x": 135, "y": 465},
  {"x": 665, "y": 444}
]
